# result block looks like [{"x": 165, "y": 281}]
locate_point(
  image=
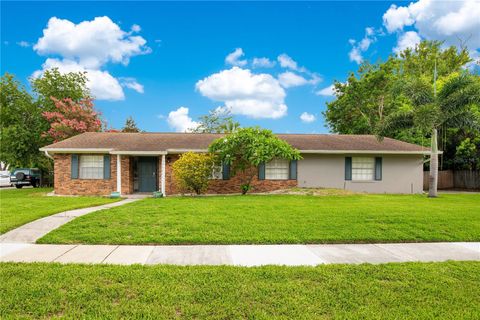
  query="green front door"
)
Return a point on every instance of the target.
[{"x": 147, "y": 174}]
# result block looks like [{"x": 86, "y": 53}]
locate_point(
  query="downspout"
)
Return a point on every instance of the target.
[{"x": 47, "y": 154}]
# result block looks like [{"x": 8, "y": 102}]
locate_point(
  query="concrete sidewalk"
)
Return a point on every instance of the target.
[
  {"x": 32, "y": 231},
  {"x": 241, "y": 255}
]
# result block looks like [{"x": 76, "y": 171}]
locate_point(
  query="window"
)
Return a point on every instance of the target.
[
  {"x": 277, "y": 169},
  {"x": 217, "y": 172},
  {"x": 91, "y": 167},
  {"x": 363, "y": 168}
]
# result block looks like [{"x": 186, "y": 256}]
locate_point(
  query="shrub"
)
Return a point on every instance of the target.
[
  {"x": 247, "y": 148},
  {"x": 192, "y": 171}
]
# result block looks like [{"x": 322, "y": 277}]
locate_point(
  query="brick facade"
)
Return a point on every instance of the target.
[
  {"x": 65, "y": 185},
  {"x": 232, "y": 185},
  {"x": 127, "y": 175}
]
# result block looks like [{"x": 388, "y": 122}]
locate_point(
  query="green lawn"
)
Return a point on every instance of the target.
[
  {"x": 20, "y": 206},
  {"x": 391, "y": 291},
  {"x": 279, "y": 219}
]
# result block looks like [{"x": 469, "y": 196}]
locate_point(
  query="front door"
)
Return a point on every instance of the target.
[{"x": 147, "y": 174}]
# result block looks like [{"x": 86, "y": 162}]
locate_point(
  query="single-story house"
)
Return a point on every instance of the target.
[{"x": 98, "y": 163}]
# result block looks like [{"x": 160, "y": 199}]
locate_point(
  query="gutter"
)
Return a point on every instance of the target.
[
  {"x": 47, "y": 154},
  {"x": 77, "y": 150},
  {"x": 139, "y": 153},
  {"x": 177, "y": 151}
]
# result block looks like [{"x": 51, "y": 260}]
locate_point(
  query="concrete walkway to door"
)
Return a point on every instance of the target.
[
  {"x": 32, "y": 231},
  {"x": 241, "y": 255}
]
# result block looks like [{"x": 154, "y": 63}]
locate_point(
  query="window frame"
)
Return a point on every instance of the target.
[
  {"x": 100, "y": 160},
  {"x": 219, "y": 172},
  {"x": 355, "y": 166},
  {"x": 275, "y": 160}
]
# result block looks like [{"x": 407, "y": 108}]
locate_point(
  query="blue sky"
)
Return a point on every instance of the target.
[{"x": 148, "y": 59}]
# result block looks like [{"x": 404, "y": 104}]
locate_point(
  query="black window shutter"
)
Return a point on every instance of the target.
[
  {"x": 378, "y": 168},
  {"x": 74, "y": 167},
  {"x": 261, "y": 171},
  {"x": 348, "y": 168},
  {"x": 106, "y": 166},
  {"x": 293, "y": 170},
  {"x": 225, "y": 171}
]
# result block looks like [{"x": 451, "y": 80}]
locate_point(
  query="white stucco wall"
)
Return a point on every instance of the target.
[{"x": 400, "y": 174}]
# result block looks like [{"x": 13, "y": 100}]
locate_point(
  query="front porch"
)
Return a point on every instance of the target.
[{"x": 140, "y": 174}]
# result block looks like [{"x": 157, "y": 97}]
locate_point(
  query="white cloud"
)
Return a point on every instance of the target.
[
  {"x": 91, "y": 43},
  {"x": 132, "y": 83},
  {"x": 307, "y": 117},
  {"x": 234, "y": 58},
  {"x": 262, "y": 63},
  {"x": 358, "y": 47},
  {"x": 406, "y": 40},
  {"x": 136, "y": 28},
  {"x": 289, "y": 79},
  {"x": 395, "y": 18},
  {"x": 327, "y": 92},
  {"x": 88, "y": 46},
  {"x": 355, "y": 55},
  {"x": 24, "y": 44},
  {"x": 449, "y": 21},
  {"x": 245, "y": 93},
  {"x": 180, "y": 121},
  {"x": 315, "y": 79},
  {"x": 287, "y": 62},
  {"x": 369, "y": 31}
]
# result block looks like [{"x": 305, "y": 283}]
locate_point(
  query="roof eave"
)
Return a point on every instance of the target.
[
  {"x": 177, "y": 151},
  {"x": 139, "y": 153},
  {"x": 76, "y": 150},
  {"x": 419, "y": 152}
]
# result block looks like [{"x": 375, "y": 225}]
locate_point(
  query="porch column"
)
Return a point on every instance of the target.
[
  {"x": 119, "y": 174},
  {"x": 162, "y": 181}
]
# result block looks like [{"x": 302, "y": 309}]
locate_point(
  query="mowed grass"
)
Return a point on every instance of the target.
[
  {"x": 391, "y": 291},
  {"x": 19, "y": 206},
  {"x": 279, "y": 219}
]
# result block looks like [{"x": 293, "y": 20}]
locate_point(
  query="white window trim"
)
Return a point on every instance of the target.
[{"x": 100, "y": 167}]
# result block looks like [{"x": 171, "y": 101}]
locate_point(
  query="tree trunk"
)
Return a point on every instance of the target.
[
  {"x": 433, "y": 177},
  {"x": 246, "y": 186}
]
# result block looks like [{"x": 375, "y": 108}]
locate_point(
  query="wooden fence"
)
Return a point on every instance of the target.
[
  {"x": 467, "y": 179},
  {"x": 449, "y": 179}
]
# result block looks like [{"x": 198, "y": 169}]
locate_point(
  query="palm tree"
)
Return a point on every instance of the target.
[{"x": 428, "y": 110}]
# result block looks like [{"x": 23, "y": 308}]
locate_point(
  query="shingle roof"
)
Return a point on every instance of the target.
[{"x": 161, "y": 142}]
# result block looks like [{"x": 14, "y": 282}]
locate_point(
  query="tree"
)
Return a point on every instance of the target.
[
  {"x": 71, "y": 118},
  {"x": 246, "y": 148},
  {"x": 370, "y": 95},
  {"x": 21, "y": 124},
  {"x": 192, "y": 171},
  {"x": 21, "y": 119},
  {"x": 217, "y": 121},
  {"x": 130, "y": 125},
  {"x": 71, "y": 85},
  {"x": 467, "y": 155},
  {"x": 429, "y": 111}
]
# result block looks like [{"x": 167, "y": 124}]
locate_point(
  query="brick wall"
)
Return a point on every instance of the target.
[
  {"x": 65, "y": 185},
  {"x": 127, "y": 175},
  {"x": 232, "y": 185}
]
